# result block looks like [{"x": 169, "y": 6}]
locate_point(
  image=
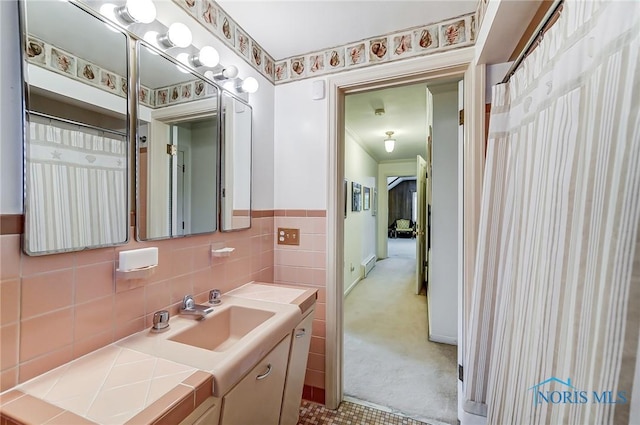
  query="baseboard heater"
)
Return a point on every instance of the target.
[{"x": 367, "y": 265}]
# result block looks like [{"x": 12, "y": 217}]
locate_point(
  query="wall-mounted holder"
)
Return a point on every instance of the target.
[
  {"x": 134, "y": 266},
  {"x": 222, "y": 252},
  {"x": 139, "y": 273}
]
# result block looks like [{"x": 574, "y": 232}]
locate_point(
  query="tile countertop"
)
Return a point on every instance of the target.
[
  {"x": 119, "y": 384},
  {"x": 278, "y": 293},
  {"x": 112, "y": 385}
]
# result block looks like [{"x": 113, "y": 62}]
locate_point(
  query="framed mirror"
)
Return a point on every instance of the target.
[
  {"x": 76, "y": 129},
  {"x": 177, "y": 150},
  {"x": 237, "y": 139}
]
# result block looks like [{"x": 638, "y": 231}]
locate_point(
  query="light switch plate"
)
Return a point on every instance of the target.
[{"x": 288, "y": 236}]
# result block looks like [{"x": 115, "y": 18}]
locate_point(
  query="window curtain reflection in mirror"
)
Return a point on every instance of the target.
[
  {"x": 556, "y": 296},
  {"x": 78, "y": 180}
]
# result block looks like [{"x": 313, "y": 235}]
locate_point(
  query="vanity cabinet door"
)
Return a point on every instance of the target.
[
  {"x": 296, "y": 371},
  {"x": 257, "y": 398}
]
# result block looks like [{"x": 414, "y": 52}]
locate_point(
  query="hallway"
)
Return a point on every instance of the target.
[{"x": 388, "y": 359}]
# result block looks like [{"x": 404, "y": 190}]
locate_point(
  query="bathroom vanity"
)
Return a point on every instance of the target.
[{"x": 243, "y": 364}]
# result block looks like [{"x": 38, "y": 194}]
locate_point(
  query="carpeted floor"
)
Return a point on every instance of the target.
[{"x": 388, "y": 359}]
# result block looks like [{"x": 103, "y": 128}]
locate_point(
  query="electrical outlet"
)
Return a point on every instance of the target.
[{"x": 288, "y": 236}]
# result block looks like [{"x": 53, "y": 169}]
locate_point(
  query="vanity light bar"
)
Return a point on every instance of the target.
[{"x": 178, "y": 35}]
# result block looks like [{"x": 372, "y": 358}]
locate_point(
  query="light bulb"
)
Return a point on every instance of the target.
[
  {"x": 141, "y": 11},
  {"x": 227, "y": 73},
  {"x": 389, "y": 145},
  {"x": 208, "y": 56},
  {"x": 249, "y": 85},
  {"x": 230, "y": 72},
  {"x": 179, "y": 35}
]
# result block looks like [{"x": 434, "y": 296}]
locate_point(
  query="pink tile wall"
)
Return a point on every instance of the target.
[
  {"x": 305, "y": 266},
  {"x": 56, "y": 308}
]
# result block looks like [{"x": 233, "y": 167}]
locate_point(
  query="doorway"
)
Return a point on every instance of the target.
[
  {"x": 388, "y": 358},
  {"x": 457, "y": 62}
]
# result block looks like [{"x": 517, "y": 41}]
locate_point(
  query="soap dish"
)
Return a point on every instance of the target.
[
  {"x": 222, "y": 252},
  {"x": 141, "y": 273}
]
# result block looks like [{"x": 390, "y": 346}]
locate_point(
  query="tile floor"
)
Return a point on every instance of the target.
[{"x": 349, "y": 414}]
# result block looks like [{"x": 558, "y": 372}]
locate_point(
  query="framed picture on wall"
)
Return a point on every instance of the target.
[
  {"x": 374, "y": 202},
  {"x": 356, "y": 196},
  {"x": 346, "y": 196},
  {"x": 366, "y": 198}
]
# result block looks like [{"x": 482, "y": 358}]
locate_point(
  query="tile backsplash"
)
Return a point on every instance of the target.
[
  {"x": 59, "y": 307},
  {"x": 304, "y": 265}
]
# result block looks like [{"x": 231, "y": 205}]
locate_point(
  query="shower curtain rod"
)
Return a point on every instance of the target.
[
  {"x": 537, "y": 35},
  {"x": 79, "y": 124}
]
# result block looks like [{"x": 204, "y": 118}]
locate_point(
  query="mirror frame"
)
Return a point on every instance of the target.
[
  {"x": 25, "y": 111},
  {"x": 223, "y": 167},
  {"x": 137, "y": 44}
]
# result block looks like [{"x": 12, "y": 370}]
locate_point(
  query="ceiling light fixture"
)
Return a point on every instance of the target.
[
  {"x": 178, "y": 35},
  {"x": 379, "y": 111},
  {"x": 389, "y": 143}
]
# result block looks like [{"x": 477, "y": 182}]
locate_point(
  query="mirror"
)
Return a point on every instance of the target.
[
  {"x": 76, "y": 132},
  {"x": 236, "y": 164},
  {"x": 177, "y": 149}
]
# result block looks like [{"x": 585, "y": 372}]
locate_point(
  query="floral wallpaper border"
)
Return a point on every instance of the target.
[
  {"x": 55, "y": 59},
  {"x": 210, "y": 15},
  {"x": 417, "y": 41}
]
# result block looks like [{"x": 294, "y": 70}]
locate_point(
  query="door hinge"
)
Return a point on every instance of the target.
[
  {"x": 172, "y": 150},
  {"x": 183, "y": 225},
  {"x": 461, "y": 117},
  {"x": 183, "y": 168},
  {"x": 460, "y": 373}
]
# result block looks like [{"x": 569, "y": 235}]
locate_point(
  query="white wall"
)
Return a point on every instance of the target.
[
  {"x": 359, "y": 226},
  {"x": 388, "y": 169},
  {"x": 300, "y": 148},
  {"x": 443, "y": 286},
  {"x": 10, "y": 107}
]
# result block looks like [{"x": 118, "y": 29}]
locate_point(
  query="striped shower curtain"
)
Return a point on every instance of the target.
[
  {"x": 555, "y": 320},
  {"x": 76, "y": 187}
]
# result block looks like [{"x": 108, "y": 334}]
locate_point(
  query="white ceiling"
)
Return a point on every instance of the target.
[
  {"x": 295, "y": 27},
  {"x": 405, "y": 114}
]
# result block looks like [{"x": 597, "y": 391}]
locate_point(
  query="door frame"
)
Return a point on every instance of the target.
[{"x": 458, "y": 62}]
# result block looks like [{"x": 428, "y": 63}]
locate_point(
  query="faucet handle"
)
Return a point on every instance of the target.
[
  {"x": 160, "y": 320},
  {"x": 188, "y": 303},
  {"x": 215, "y": 296}
]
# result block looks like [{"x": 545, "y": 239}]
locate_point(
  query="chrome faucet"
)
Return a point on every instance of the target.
[{"x": 189, "y": 307}]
